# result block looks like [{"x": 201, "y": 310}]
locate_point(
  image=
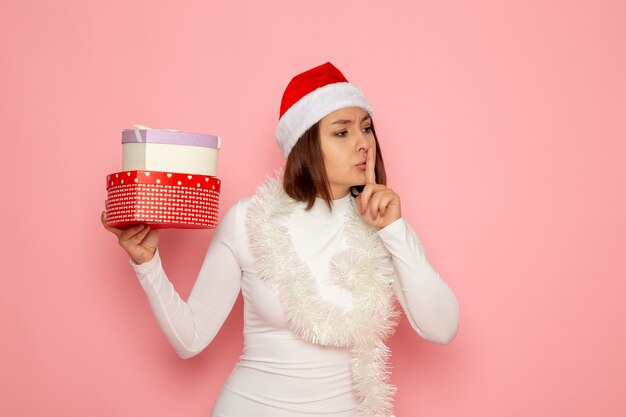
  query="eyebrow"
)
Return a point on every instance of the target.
[{"x": 345, "y": 121}]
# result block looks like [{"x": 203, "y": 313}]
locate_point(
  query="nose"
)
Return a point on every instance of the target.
[{"x": 363, "y": 142}]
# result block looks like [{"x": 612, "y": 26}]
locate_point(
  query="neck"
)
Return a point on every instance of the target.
[
  {"x": 337, "y": 193},
  {"x": 339, "y": 206}
]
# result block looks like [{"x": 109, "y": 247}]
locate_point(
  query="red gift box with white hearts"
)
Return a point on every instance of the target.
[{"x": 162, "y": 199}]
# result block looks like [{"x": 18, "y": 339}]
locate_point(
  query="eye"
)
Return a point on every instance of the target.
[
  {"x": 341, "y": 133},
  {"x": 367, "y": 129}
]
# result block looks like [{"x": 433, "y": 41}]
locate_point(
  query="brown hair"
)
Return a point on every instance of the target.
[{"x": 305, "y": 174}]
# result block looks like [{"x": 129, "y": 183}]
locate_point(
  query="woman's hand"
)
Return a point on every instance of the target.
[
  {"x": 378, "y": 205},
  {"x": 139, "y": 241}
]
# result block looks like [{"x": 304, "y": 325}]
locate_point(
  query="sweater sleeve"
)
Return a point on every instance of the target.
[
  {"x": 428, "y": 302},
  {"x": 190, "y": 326}
]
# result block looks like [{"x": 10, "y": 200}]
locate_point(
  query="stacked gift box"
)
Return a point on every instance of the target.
[{"x": 168, "y": 180}]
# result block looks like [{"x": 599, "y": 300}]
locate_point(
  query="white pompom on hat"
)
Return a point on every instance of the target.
[{"x": 309, "y": 97}]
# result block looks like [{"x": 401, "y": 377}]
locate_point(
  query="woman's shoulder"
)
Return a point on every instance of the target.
[
  {"x": 231, "y": 226},
  {"x": 238, "y": 208},
  {"x": 269, "y": 191}
]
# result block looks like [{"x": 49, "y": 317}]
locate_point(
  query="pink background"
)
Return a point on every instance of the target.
[{"x": 503, "y": 128}]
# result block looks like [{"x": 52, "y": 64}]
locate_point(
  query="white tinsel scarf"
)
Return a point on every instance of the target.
[{"x": 364, "y": 269}]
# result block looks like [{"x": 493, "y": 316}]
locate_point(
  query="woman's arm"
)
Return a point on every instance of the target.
[
  {"x": 428, "y": 302},
  {"x": 190, "y": 326}
]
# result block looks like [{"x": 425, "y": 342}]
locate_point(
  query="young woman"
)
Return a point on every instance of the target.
[{"x": 319, "y": 269}]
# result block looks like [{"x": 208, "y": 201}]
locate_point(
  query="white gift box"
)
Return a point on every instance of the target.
[{"x": 169, "y": 151}]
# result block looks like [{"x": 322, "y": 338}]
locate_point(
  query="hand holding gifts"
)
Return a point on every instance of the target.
[{"x": 168, "y": 180}]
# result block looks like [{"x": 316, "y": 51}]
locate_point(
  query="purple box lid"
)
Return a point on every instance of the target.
[{"x": 170, "y": 137}]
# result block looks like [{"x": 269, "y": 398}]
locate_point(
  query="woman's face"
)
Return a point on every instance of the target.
[{"x": 345, "y": 137}]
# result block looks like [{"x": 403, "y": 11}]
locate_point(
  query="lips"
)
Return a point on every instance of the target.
[{"x": 361, "y": 165}]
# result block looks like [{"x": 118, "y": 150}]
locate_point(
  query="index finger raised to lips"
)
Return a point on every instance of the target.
[{"x": 370, "y": 163}]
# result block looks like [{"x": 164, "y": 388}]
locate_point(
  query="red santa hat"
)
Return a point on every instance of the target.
[{"x": 309, "y": 97}]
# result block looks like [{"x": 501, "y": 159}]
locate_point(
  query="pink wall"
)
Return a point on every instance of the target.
[{"x": 502, "y": 124}]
